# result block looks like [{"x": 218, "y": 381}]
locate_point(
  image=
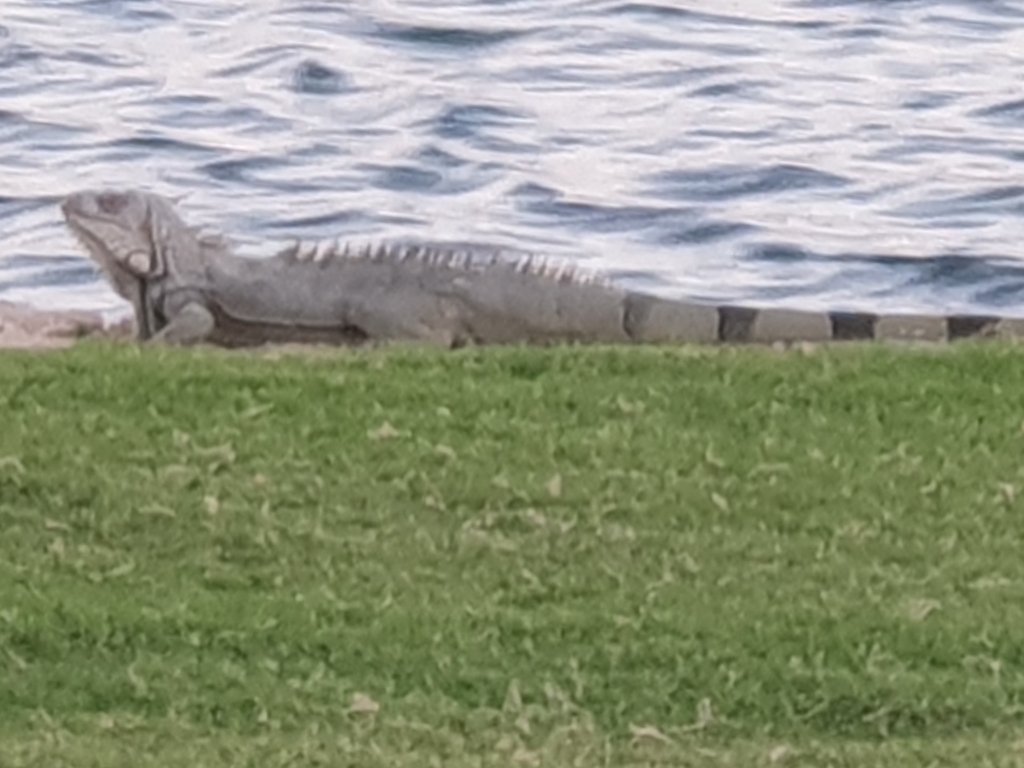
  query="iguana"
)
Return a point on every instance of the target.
[{"x": 187, "y": 288}]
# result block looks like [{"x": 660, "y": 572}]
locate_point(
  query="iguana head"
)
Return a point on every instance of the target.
[
  {"x": 131, "y": 235},
  {"x": 126, "y": 231}
]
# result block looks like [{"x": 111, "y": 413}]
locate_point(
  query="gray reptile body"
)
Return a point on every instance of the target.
[{"x": 186, "y": 288}]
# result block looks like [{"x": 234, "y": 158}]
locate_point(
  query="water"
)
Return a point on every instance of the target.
[{"x": 856, "y": 154}]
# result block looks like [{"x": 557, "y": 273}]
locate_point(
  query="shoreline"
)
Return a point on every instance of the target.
[{"x": 25, "y": 327}]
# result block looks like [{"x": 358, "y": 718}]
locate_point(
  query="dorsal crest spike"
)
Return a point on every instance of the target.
[
  {"x": 323, "y": 251},
  {"x": 305, "y": 251},
  {"x": 331, "y": 252},
  {"x": 290, "y": 252}
]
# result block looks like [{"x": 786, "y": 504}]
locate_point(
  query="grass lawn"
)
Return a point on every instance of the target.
[{"x": 505, "y": 556}]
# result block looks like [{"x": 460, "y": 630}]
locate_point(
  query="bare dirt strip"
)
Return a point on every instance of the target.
[{"x": 25, "y": 327}]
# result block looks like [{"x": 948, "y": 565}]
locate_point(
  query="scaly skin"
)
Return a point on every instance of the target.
[{"x": 187, "y": 289}]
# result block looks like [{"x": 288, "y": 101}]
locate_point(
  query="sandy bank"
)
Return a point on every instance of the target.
[{"x": 24, "y": 327}]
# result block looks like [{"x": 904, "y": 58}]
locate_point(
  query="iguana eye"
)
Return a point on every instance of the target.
[
  {"x": 139, "y": 262},
  {"x": 111, "y": 203}
]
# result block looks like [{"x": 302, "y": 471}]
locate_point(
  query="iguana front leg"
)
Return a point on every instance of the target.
[{"x": 191, "y": 324}]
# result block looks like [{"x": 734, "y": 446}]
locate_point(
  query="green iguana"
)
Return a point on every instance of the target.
[{"x": 188, "y": 288}]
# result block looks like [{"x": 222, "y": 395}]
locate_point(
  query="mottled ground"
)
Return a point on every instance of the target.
[{"x": 26, "y": 327}]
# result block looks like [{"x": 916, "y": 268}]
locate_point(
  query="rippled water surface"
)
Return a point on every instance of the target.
[{"x": 807, "y": 153}]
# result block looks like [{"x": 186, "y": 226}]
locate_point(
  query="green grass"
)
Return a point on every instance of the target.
[{"x": 512, "y": 557}]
